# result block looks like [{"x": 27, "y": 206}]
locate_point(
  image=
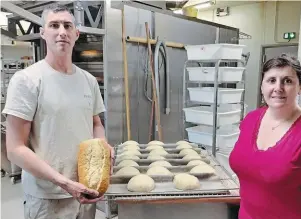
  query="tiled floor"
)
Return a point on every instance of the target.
[{"x": 12, "y": 201}]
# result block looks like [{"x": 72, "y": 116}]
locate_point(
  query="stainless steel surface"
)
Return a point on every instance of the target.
[
  {"x": 166, "y": 75},
  {"x": 91, "y": 30},
  {"x": 132, "y": 210},
  {"x": 29, "y": 37},
  {"x": 179, "y": 30},
  {"x": 113, "y": 75},
  {"x": 171, "y": 14}
]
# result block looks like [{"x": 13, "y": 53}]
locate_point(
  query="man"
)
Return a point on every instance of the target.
[{"x": 55, "y": 105}]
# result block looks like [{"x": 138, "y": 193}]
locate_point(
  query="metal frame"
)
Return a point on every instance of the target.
[
  {"x": 262, "y": 61},
  {"x": 30, "y": 14},
  {"x": 215, "y": 103}
]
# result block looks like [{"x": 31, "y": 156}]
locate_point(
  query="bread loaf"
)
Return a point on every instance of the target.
[{"x": 94, "y": 163}]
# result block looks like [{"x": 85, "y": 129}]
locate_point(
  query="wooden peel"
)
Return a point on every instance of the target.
[
  {"x": 126, "y": 79},
  {"x": 152, "y": 41},
  {"x": 155, "y": 99}
]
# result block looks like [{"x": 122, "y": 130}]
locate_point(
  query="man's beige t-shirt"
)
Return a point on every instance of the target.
[{"x": 61, "y": 108}]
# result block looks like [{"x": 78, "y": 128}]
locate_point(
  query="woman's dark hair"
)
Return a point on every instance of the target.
[{"x": 283, "y": 61}]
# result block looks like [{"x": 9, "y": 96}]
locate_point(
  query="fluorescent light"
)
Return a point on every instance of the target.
[
  {"x": 178, "y": 11},
  {"x": 203, "y": 5}
]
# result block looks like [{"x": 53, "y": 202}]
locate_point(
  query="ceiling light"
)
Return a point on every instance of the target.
[
  {"x": 178, "y": 11},
  {"x": 204, "y": 5}
]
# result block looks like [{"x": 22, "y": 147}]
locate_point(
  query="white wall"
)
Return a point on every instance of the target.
[{"x": 265, "y": 22}]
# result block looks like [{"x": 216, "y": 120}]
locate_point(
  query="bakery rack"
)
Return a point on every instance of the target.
[
  {"x": 213, "y": 95},
  {"x": 221, "y": 187}
]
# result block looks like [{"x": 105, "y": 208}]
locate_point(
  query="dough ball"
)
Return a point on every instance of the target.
[
  {"x": 182, "y": 142},
  {"x": 183, "y": 146},
  {"x": 154, "y": 147},
  {"x": 129, "y": 157},
  {"x": 130, "y": 142},
  {"x": 161, "y": 152},
  {"x": 188, "y": 151},
  {"x": 158, "y": 171},
  {"x": 155, "y": 143},
  {"x": 161, "y": 163},
  {"x": 196, "y": 162},
  {"x": 185, "y": 181},
  {"x": 131, "y": 147},
  {"x": 192, "y": 157},
  {"x": 155, "y": 157},
  {"x": 127, "y": 171},
  {"x": 130, "y": 152},
  {"x": 203, "y": 169},
  {"x": 141, "y": 183},
  {"x": 127, "y": 163}
]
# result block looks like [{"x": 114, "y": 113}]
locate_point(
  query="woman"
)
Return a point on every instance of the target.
[{"x": 267, "y": 155}]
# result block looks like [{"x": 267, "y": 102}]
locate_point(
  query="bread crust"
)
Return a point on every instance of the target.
[{"x": 94, "y": 163}]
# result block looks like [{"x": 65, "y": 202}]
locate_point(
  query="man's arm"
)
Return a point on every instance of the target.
[
  {"x": 98, "y": 129},
  {"x": 17, "y": 133}
]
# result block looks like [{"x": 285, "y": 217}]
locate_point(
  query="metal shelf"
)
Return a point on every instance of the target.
[{"x": 216, "y": 87}]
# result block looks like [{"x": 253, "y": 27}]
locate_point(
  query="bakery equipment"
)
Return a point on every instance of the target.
[{"x": 217, "y": 188}]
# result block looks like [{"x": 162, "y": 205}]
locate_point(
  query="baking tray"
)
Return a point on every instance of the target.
[
  {"x": 172, "y": 156},
  {"x": 166, "y": 145},
  {"x": 173, "y": 162},
  {"x": 220, "y": 183},
  {"x": 174, "y": 170},
  {"x": 168, "y": 150}
]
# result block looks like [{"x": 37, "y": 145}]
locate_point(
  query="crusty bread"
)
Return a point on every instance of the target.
[{"x": 94, "y": 163}]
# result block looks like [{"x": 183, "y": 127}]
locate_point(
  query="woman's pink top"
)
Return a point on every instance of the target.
[{"x": 270, "y": 180}]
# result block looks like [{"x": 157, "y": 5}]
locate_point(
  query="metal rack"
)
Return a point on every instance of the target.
[
  {"x": 216, "y": 85},
  {"x": 8, "y": 68}
]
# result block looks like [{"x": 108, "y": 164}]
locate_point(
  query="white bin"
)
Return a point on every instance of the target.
[
  {"x": 206, "y": 95},
  {"x": 226, "y": 136},
  {"x": 207, "y": 74},
  {"x": 214, "y": 51},
  {"x": 226, "y": 114}
]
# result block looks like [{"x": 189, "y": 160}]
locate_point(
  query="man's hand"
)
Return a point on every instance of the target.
[
  {"x": 112, "y": 158},
  {"x": 83, "y": 194}
]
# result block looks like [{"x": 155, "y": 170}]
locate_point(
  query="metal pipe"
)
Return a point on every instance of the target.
[
  {"x": 215, "y": 107},
  {"x": 167, "y": 78}
]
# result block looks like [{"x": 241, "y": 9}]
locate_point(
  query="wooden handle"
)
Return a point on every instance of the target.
[
  {"x": 152, "y": 41},
  {"x": 126, "y": 79},
  {"x": 157, "y": 110}
]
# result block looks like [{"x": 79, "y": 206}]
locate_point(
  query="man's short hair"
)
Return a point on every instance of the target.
[{"x": 55, "y": 8}]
